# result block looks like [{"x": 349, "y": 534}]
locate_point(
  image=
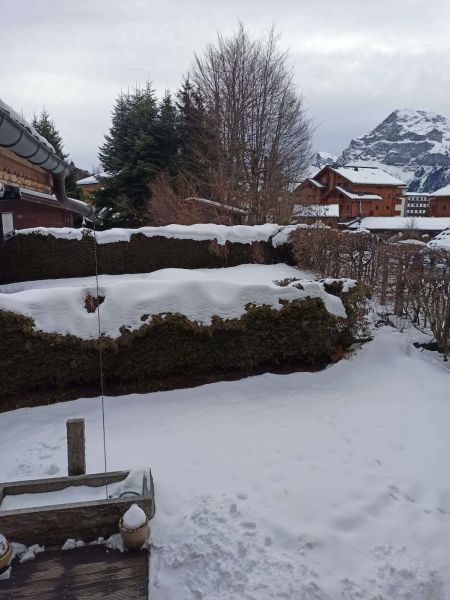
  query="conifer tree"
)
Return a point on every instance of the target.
[{"x": 45, "y": 126}]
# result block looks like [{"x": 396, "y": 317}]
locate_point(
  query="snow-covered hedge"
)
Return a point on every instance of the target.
[
  {"x": 169, "y": 351},
  {"x": 44, "y": 253}
]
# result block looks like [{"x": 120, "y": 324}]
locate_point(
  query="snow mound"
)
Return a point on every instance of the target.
[
  {"x": 134, "y": 518},
  {"x": 31, "y": 552},
  {"x": 244, "y": 234},
  {"x": 132, "y": 300}
]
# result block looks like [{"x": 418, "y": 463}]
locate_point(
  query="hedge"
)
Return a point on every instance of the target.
[
  {"x": 36, "y": 256},
  {"x": 169, "y": 351}
]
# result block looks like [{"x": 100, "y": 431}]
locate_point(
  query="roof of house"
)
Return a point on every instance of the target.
[
  {"x": 316, "y": 183},
  {"x": 315, "y": 210},
  {"x": 19, "y": 119},
  {"x": 361, "y": 196},
  {"x": 367, "y": 175},
  {"x": 417, "y": 194},
  {"x": 92, "y": 179},
  {"x": 402, "y": 223},
  {"x": 445, "y": 191},
  {"x": 442, "y": 240},
  {"x": 219, "y": 205},
  {"x": 50, "y": 200}
]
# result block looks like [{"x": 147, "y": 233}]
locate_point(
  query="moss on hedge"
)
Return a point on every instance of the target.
[
  {"x": 43, "y": 367},
  {"x": 35, "y": 256}
]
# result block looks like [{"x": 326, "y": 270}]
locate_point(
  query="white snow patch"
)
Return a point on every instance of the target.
[
  {"x": 306, "y": 486},
  {"x": 71, "y": 544},
  {"x": 245, "y": 234},
  {"x": 134, "y": 518},
  {"x": 197, "y": 294},
  {"x": 31, "y": 552}
]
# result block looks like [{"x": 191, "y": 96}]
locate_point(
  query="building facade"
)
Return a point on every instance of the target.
[
  {"x": 32, "y": 177},
  {"x": 359, "y": 191},
  {"x": 440, "y": 202},
  {"x": 417, "y": 204}
]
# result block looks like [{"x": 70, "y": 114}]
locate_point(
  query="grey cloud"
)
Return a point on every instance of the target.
[{"x": 355, "y": 60}]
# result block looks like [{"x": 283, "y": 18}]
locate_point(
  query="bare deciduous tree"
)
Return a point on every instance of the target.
[{"x": 259, "y": 127}]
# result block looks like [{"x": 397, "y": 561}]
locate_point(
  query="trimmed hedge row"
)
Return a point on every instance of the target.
[
  {"x": 40, "y": 367},
  {"x": 35, "y": 256}
]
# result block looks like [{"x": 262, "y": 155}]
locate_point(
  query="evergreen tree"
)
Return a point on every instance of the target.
[
  {"x": 45, "y": 126},
  {"x": 131, "y": 155},
  {"x": 166, "y": 135}
]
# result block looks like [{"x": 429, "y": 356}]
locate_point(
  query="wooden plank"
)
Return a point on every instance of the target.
[{"x": 88, "y": 572}]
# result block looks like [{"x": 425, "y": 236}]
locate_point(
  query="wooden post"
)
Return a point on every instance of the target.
[{"x": 76, "y": 453}]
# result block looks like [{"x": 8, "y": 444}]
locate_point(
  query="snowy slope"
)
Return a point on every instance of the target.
[
  {"x": 413, "y": 145},
  {"x": 309, "y": 486},
  {"x": 59, "y": 305}
]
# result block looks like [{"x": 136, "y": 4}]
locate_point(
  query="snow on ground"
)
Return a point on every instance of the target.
[
  {"x": 245, "y": 234},
  {"x": 59, "y": 305},
  {"x": 311, "y": 486}
]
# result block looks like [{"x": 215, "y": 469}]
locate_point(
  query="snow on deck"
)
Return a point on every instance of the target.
[
  {"x": 245, "y": 234},
  {"x": 313, "y": 486},
  {"x": 59, "y": 305},
  {"x": 403, "y": 223}
]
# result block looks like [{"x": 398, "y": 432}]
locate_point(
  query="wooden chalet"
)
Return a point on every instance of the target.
[
  {"x": 440, "y": 202},
  {"x": 359, "y": 191},
  {"x": 32, "y": 178}
]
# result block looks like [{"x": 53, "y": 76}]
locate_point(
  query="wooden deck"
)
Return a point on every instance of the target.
[{"x": 91, "y": 572}]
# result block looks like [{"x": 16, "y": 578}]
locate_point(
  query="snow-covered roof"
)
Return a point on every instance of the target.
[
  {"x": 52, "y": 199},
  {"x": 92, "y": 179},
  {"x": 442, "y": 240},
  {"x": 353, "y": 196},
  {"x": 316, "y": 210},
  {"x": 315, "y": 182},
  {"x": 367, "y": 175},
  {"x": 219, "y": 205},
  {"x": 402, "y": 223},
  {"x": 413, "y": 194},
  {"x": 445, "y": 191},
  {"x": 15, "y": 115}
]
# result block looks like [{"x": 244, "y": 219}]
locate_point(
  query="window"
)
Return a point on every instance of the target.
[{"x": 387, "y": 207}]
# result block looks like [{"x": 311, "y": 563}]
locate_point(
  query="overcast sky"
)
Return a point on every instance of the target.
[{"x": 354, "y": 60}]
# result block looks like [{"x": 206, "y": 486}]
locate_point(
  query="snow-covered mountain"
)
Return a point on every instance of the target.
[
  {"x": 413, "y": 145},
  {"x": 323, "y": 158}
]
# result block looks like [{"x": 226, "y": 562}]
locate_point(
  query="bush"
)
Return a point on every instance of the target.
[
  {"x": 35, "y": 256},
  {"x": 169, "y": 351}
]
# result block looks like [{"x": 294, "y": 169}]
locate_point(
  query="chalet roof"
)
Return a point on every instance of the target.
[
  {"x": 315, "y": 210},
  {"x": 225, "y": 207},
  {"x": 354, "y": 196},
  {"x": 76, "y": 206},
  {"x": 367, "y": 175},
  {"x": 92, "y": 179},
  {"x": 402, "y": 223},
  {"x": 445, "y": 191},
  {"x": 316, "y": 183},
  {"x": 15, "y": 115}
]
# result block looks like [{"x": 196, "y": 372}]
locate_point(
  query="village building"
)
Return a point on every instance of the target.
[
  {"x": 89, "y": 185},
  {"x": 327, "y": 214},
  {"x": 440, "y": 202},
  {"x": 417, "y": 204},
  {"x": 32, "y": 178},
  {"x": 413, "y": 226},
  {"x": 359, "y": 191}
]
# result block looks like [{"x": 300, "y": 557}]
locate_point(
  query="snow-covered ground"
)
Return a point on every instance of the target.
[
  {"x": 58, "y": 305},
  {"x": 311, "y": 486}
]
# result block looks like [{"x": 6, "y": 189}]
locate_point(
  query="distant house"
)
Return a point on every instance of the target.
[
  {"x": 423, "y": 225},
  {"x": 89, "y": 185},
  {"x": 32, "y": 177},
  {"x": 359, "y": 191},
  {"x": 440, "y": 202},
  {"x": 417, "y": 204},
  {"x": 328, "y": 214}
]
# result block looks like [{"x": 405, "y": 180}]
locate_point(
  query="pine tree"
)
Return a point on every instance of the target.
[
  {"x": 166, "y": 135},
  {"x": 45, "y": 126},
  {"x": 131, "y": 155}
]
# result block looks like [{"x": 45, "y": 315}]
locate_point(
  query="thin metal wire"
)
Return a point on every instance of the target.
[{"x": 100, "y": 354}]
